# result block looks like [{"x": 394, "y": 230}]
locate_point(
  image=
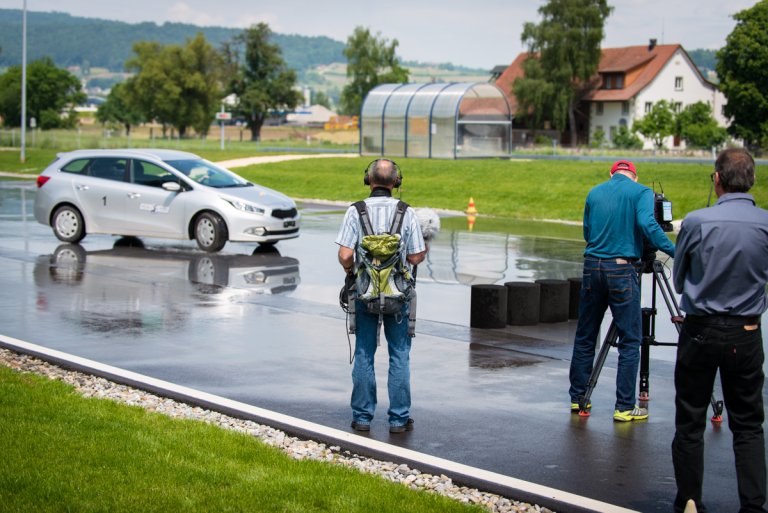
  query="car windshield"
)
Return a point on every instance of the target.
[{"x": 206, "y": 173}]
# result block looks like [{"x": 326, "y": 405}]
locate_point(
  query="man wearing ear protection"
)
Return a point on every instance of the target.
[
  {"x": 618, "y": 216},
  {"x": 382, "y": 176}
]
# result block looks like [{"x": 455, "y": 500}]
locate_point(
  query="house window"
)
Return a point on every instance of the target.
[
  {"x": 648, "y": 107},
  {"x": 613, "y": 81},
  {"x": 599, "y": 108},
  {"x": 625, "y": 108},
  {"x": 678, "y": 83},
  {"x": 678, "y": 106}
]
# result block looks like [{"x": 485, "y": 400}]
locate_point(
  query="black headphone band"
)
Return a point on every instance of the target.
[{"x": 398, "y": 180}]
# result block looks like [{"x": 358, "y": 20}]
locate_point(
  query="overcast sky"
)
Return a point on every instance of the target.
[{"x": 478, "y": 34}]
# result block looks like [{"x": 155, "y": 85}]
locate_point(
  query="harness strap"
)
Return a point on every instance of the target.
[
  {"x": 365, "y": 221},
  {"x": 397, "y": 219}
]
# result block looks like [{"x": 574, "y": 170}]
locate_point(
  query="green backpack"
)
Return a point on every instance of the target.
[{"x": 382, "y": 281}]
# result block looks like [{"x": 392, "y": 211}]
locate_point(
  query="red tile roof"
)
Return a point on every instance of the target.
[{"x": 638, "y": 64}]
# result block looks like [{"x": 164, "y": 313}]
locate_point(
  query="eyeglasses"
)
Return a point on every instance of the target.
[{"x": 712, "y": 177}]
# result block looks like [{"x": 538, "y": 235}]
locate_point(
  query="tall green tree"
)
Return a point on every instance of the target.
[
  {"x": 534, "y": 94},
  {"x": 117, "y": 109},
  {"x": 50, "y": 92},
  {"x": 371, "y": 60},
  {"x": 742, "y": 67},
  {"x": 180, "y": 86},
  {"x": 698, "y": 128},
  {"x": 567, "y": 44},
  {"x": 261, "y": 79},
  {"x": 658, "y": 124}
]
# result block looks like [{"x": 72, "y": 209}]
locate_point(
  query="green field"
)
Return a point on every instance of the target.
[{"x": 515, "y": 189}]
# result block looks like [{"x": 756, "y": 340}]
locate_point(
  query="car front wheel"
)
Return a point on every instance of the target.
[
  {"x": 210, "y": 232},
  {"x": 68, "y": 225}
]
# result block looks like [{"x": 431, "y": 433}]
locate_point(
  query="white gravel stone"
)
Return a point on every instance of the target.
[{"x": 92, "y": 386}]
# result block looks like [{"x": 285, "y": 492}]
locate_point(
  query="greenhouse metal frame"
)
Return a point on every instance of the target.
[{"x": 436, "y": 120}]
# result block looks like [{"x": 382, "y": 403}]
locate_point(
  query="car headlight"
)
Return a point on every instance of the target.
[{"x": 245, "y": 207}]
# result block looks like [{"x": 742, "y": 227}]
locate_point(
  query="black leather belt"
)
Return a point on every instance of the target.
[{"x": 723, "y": 320}]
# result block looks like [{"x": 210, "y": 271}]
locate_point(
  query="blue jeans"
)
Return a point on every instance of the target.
[
  {"x": 363, "y": 374},
  {"x": 608, "y": 284}
]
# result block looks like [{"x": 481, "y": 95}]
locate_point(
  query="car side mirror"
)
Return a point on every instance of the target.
[{"x": 171, "y": 186}]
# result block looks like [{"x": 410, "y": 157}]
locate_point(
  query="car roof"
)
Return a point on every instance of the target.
[{"x": 157, "y": 153}]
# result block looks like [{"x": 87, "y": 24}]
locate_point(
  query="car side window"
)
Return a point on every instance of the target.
[
  {"x": 109, "y": 168},
  {"x": 147, "y": 173},
  {"x": 77, "y": 167}
]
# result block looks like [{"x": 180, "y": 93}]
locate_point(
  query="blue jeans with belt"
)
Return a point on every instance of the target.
[
  {"x": 705, "y": 346},
  {"x": 608, "y": 284},
  {"x": 363, "y": 374}
]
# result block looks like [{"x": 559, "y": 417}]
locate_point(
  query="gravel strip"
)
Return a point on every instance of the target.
[{"x": 92, "y": 386}]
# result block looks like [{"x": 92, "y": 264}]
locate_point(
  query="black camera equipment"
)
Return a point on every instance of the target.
[{"x": 649, "y": 265}]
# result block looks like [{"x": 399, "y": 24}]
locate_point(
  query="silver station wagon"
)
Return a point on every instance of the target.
[{"x": 159, "y": 193}]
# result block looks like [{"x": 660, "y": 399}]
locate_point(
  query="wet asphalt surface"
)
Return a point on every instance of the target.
[{"x": 265, "y": 328}]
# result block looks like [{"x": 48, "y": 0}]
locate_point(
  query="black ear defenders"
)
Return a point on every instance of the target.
[{"x": 398, "y": 180}]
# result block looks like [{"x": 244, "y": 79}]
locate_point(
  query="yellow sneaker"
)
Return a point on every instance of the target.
[
  {"x": 636, "y": 413},
  {"x": 575, "y": 407}
]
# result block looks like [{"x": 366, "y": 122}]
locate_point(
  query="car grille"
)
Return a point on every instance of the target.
[{"x": 284, "y": 213}]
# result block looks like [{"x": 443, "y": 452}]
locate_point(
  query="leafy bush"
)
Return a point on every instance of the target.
[{"x": 626, "y": 140}]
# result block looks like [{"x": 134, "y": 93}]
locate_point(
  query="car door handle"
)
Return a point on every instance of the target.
[
  {"x": 134, "y": 195},
  {"x": 81, "y": 187}
]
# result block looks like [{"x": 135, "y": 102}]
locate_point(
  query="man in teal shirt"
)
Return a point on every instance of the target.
[{"x": 618, "y": 217}]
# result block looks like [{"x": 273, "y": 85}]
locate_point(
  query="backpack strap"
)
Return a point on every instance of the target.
[
  {"x": 397, "y": 221},
  {"x": 365, "y": 221}
]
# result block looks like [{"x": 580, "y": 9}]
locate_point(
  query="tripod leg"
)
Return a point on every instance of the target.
[
  {"x": 717, "y": 410},
  {"x": 645, "y": 354},
  {"x": 611, "y": 339}
]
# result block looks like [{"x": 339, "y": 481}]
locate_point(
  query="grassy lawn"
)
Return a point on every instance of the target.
[
  {"x": 536, "y": 189},
  {"x": 62, "y": 452}
]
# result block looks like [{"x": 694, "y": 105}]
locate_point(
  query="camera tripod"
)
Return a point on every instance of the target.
[{"x": 660, "y": 282}]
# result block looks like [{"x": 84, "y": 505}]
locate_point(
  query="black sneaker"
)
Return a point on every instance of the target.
[
  {"x": 408, "y": 426},
  {"x": 357, "y": 426}
]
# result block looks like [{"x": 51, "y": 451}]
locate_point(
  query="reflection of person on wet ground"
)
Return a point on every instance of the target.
[
  {"x": 618, "y": 216},
  {"x": 382, "y": 176},
  {"x": 721, "y": 270}
]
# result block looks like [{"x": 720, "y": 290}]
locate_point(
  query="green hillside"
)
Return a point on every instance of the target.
[{"x": 97, "y": 43}]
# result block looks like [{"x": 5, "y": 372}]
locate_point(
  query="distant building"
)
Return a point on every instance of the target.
[
  {"x": 314, "y": 115},
  {"x": 628, "y": 82}
]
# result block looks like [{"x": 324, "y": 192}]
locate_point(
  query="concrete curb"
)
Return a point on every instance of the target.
[{"x": 506, "y": 486}]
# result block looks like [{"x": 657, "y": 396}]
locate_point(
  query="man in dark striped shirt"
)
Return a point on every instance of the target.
[{"x": 721, "y": 270}]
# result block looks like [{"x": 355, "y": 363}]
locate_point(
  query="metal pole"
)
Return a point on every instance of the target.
[
  {"x": 221, "y": 123},
  {"x": 24, "y": 84}
]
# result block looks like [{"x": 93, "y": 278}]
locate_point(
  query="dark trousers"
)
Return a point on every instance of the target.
[{"x": 706, "y": 345}]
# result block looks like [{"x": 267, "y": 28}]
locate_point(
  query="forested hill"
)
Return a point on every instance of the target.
[{"x": 75, "y": 41}]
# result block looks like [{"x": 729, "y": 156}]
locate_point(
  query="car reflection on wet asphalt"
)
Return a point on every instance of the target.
[{"x": 69, "y": 280}]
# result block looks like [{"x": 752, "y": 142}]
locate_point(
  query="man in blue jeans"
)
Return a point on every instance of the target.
[
  {"x": 721, "y": 270},
  {"x": 618, "y": 217},
  {"x": 381, "y": 176}
]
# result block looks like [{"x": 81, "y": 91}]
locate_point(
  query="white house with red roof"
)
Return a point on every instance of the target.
[{"x": 629, "y": 81}]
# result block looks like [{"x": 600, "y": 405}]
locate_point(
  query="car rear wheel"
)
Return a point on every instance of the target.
[
  {"x": 68, "y": 225},
  {"x": 210, "y": 232}
]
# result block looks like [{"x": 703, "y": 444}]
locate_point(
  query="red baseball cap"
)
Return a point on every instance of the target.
[{"x": 623, "y": 165}]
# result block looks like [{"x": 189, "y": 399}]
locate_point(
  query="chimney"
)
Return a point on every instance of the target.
[{"x": 651, "y": 45}]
